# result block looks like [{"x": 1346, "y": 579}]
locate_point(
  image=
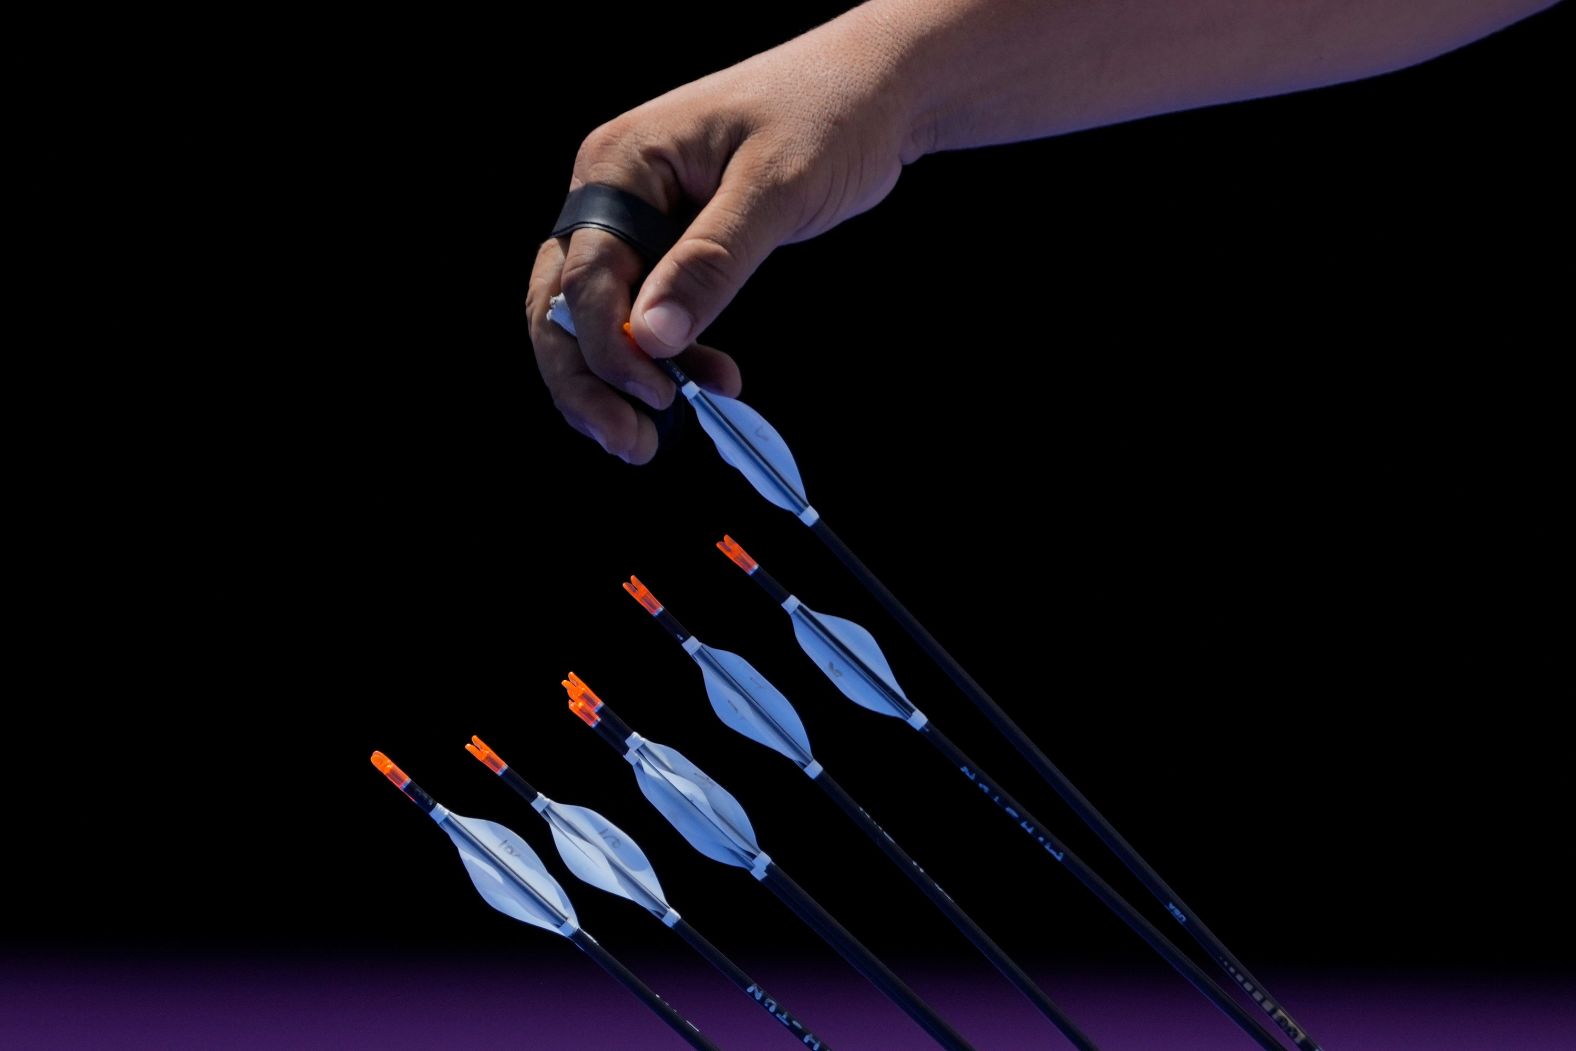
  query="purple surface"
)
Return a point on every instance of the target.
[{"x": 564, "y": 1002}]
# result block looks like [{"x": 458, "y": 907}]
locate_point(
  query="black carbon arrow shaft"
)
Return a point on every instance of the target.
[
  {"x": 731, "y": 681},
  {"x": 592, "y": 710},
  {"x": 897, "y": 704}
]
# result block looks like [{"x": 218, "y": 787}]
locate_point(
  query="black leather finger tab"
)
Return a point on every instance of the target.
[{"x": 621, "y": 214}]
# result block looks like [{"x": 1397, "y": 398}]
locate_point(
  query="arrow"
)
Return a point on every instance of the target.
[
  {"x": 742, "y": 435},
  {"x": 715, "y": 824},
  {"x": 752, "y": 706},
  {"x": 745, "y": 440},
  {"x": 603, "y": 855},
  {"x": 510, "y": 877},
  {"x": 849, "y": 656}
]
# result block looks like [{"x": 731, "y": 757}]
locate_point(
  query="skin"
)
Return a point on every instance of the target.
[{"x": 791, "y": 142}]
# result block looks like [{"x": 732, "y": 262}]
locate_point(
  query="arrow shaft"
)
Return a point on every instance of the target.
[
  {"x": 809, "y": 911},
  {"x": 642, "y": 896},
  {"x": 1091, "y": 880},
  {"x": 862, "y": 959},
  {"x": 523, "y": 788},
  {"x": 749, "y": 986},
  {"x": 768, "y": 583},
  {"x": 670, "y": 624},
  {"x": 724, "y": 680},
  {"x": 1062, "y": 786},
  {"x": 675, "y": 1021},
  {"x": 950, "y": 909},
  {"x": 899, "y": 704},
  {"x": 582, "y": 940},
  {"x": 612, "y": 729},
  {"x": 675, "y": 373}
]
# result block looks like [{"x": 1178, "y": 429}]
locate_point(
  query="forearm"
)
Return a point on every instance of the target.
[
  {"x": 791, "y": 142},
  {"x": 975, "y": 72}
]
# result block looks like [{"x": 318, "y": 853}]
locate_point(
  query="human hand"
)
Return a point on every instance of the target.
[{"x": 776, "y": 149}]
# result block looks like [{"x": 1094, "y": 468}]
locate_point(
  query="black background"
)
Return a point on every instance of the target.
[{"x": 1219, "y": 446}]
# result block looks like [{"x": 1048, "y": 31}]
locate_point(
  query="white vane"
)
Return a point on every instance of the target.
[
  {"x": 602, "y": 854},
  {"x": 848, "y": 655},
  {"x": 702, "y": 811},
  {"x": 750, "y": 444},
  {"x": 747, "y": 703},
  {"x": 507, "y": 873}
]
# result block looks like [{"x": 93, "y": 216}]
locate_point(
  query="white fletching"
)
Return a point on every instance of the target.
[
  {"x": 603, "y": 855},
  {"x": 558, "y": 313},
  {"x": 508, "y": 874},
  {"x": 747, "y": 703},
  {"x": 848, "y": 655},
  {"x": 754, "y": 447},
  {"x": 702, "y": 811}
]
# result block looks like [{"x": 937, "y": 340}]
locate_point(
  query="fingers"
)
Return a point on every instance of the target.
[
  {"x": 689, "y": 286},
  {"x": 595, "y": 271},
  {"x": 598, "y": 271},
  {"x": 594, "y": 410},
  {"x": 586, "y": 402}
]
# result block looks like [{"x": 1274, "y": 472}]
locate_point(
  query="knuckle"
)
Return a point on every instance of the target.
[
  {"x": 536, "y": 289},
  {"x": 593, "y": 259},
  {"x": 604, "y": 142},
  {"x": 708, "y": 262},
  {"x": 562, "y": 406},
  {"x": 633, "y": 155},
  {"x": 614, "y": 154},
  {"x": 579, "y": 273}
]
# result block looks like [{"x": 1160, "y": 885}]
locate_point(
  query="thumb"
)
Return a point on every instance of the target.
[{"x": 744, "y": 220}]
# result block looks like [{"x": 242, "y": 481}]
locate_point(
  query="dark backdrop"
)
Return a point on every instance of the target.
[{"x": 1227, "y": 464}]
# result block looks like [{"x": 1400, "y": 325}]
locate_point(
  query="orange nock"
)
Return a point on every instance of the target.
[
  {"x": 492, "y": 759},
  {"x": 643, "y": 595},
  {"x": 741, "y": 558},
  {"x": 629, "y": 334},
  {"x": 399, "y": 778},
  {"x": 582, "y": 701}
]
